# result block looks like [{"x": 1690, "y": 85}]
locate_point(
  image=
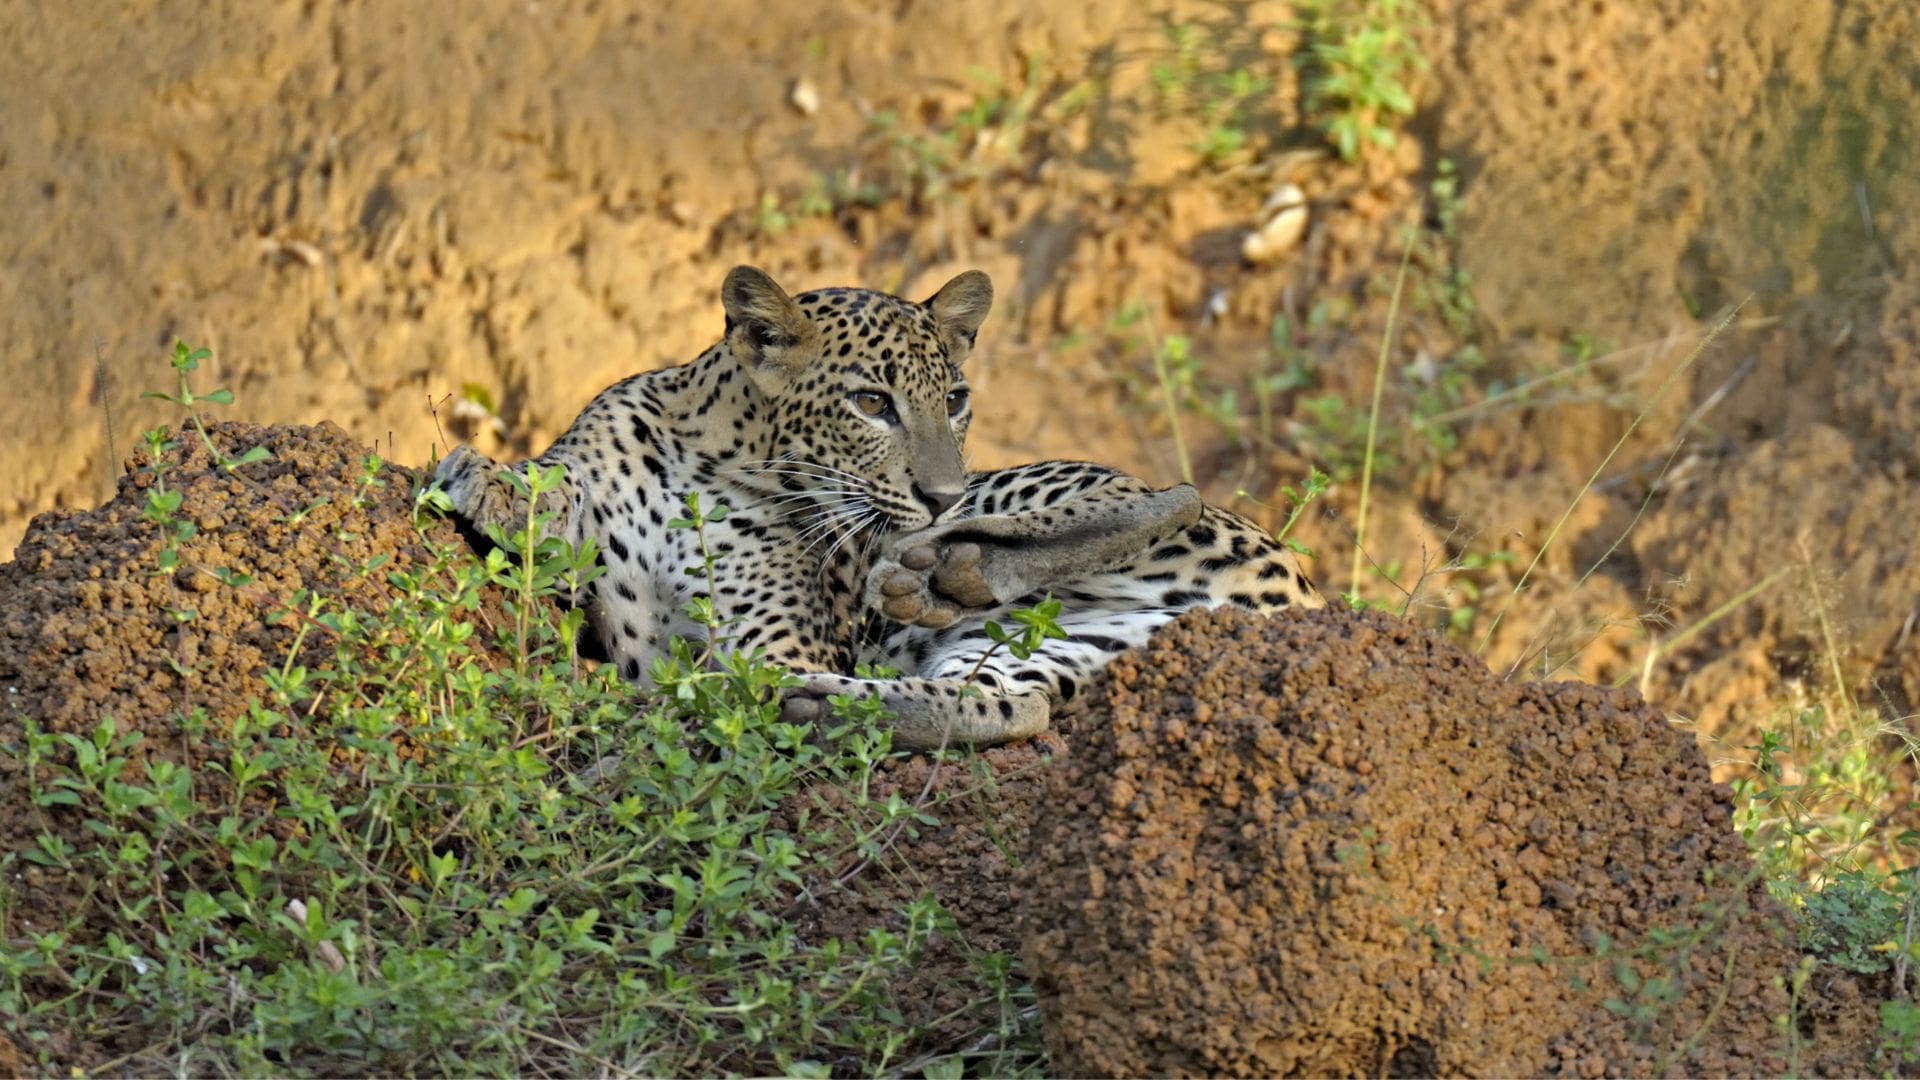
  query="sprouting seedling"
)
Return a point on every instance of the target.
[
  {"x": 1360, "y": 57},
  {"x": 164, "y": 506},
  {"x": 186, "y": 360},
  {"x": 1297, "y": 502},
  {"x": 547, "y": 563},
  {"x": 701, "y": 609},
  {"x": 1037, "y": 625}
]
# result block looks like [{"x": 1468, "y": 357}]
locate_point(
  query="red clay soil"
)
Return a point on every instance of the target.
[{"x": 1337, "y": 845}]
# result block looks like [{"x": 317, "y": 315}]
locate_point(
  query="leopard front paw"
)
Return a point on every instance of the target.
[
  {"x": 930, "y": 585},
  {"x": 801, "y": 705},
  {"x": 810, "y": 702},
  {"x": 458, "y": 472}
]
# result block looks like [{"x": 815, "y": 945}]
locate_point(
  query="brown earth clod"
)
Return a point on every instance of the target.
[
  {"x": 91, "y": 630},
  {"x": 1336, "y": 845}
]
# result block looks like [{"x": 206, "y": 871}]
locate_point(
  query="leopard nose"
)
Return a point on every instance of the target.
[{"x": 937, "y": 501}]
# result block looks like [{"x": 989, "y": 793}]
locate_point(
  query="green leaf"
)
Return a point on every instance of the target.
[
  {"x": 948, "y": 1068},
  {"x": 1626, "y": 976},
  {"x": 479, "y": 395}
]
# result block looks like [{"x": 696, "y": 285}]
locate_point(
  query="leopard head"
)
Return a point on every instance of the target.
[{"x": 863, "y": 392}]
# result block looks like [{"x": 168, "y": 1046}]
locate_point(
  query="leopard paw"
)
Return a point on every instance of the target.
[
  {"x": 930, "y": 585},
  {"x": 808, "y": 702},
  {"x": 801, "y": 705}
]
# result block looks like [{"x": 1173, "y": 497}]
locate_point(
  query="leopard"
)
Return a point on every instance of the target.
[{"x": 831, "y": 424}]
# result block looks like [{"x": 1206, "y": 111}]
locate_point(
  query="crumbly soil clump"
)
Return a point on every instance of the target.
[
  {"x": 1336, "y": 845},
  {"x": 983, "y": 808},
  {"x": 89, "y": 629}
]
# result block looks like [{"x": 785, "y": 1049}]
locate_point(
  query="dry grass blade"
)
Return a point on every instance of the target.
[
  {"x": 1711, "y": 617},
  {"x": 1554, "y": 533},
  {"x": 1373, "y": 414}
]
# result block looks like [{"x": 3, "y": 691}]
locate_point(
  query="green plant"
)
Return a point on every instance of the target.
[
  {"x": 1855, "y": 920},
  {"x": 770, "y": 218},
  {"x": 1298, "y": 499},
  {"x": 1445, "y": 288},
  {"x": 1335, "y": 430},
  {"x": 1358, "y": 57},
  {"x": 1037, "y": 627},
  {"x": 701, "y": 608},
  {"x": 185, "y": 361},
  {"x": 994, "y": 133},
  {"x": 1811, "y": 805},
  {"x": 439, "y": 843},
  {"x": 1439, "y": 386},
  {"x": 1900, "y": 1033},
  {"x": 1220, "y": 99},
  {"x": 1298, "y": 366},
  {"x": 163, "y": 507},
  {"x": 824, "y": 195},
  {"x": 1461, "y": 616},
  {"x": 1373, "y": 427}
]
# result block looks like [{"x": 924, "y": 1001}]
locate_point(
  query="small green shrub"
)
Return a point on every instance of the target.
[
  {"x": 1900, "y": 1034},
  {"x": 415, "y": 857},
  {"x": 995, "y": 133},
  {"x": 1854, "y": 921},
  {"x": 1192, "y": 80},
  {"x": 1358, "y": 57}
]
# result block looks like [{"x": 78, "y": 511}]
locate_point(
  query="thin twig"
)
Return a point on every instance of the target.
[
  {"x": 1373, "y": 415},
  {"x": 106, "y": 409}
]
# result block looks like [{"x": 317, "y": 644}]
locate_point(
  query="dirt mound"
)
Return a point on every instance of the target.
[
  {"x": 984, "y": 808},
  {"x": 89, "y": 628},
  {"x": 1335, "y": 845},
  {"x": 1846, "y": 553}
]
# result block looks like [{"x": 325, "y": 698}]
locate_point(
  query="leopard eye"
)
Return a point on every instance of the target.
[
  {"x": 956, "y": 401},
  {"x": 872, "y": 403}
]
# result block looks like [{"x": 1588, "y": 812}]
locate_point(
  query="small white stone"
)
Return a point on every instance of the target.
[
  {"x": 1425, "y": 367},
  {"x": 804, "y": 96},
  {"x": 1283, "y": 221}
]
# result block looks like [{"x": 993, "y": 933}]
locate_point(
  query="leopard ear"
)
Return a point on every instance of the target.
[
  {"x": 766, "y": 331},
  {"x": 959, "y": 308}
]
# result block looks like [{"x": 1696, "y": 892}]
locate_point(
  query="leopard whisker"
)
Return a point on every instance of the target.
[
  {"x": 820, "y": 485},
  {"x": 844, "y": 506},
  {"x": 797, "y": 467},
  {"x": 804, "y": 463},
  {"x": 855, "y": 521},
  {"x": 823, "y": 496},
  {"x": 827, "y": 560},
  {"x": 824, "y": 527}
]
